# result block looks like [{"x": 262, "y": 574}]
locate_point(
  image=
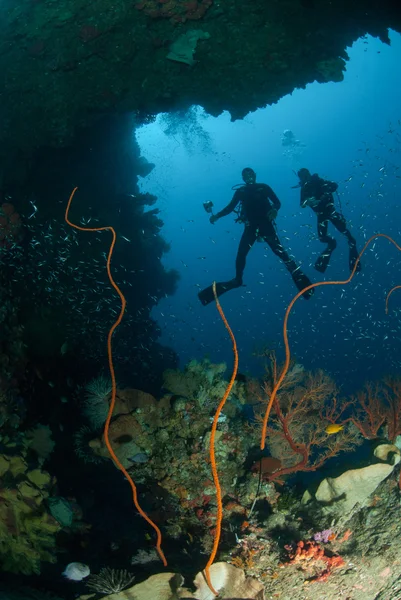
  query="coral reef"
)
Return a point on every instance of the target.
[
  {"x": 280, "y": 541},
  {"x": 167, "y": 440},
  {"x": 202, "y": 384},
  {"x": 27, "y": 530}
]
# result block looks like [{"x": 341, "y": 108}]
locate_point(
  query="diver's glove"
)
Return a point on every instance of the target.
[
  {"x": 213, "y": 219},
  {"x": 272, "y": 214}
]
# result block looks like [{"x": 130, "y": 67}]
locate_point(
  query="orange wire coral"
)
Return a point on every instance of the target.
[
  {"x": 396, "y": 287},
  {"x": 113, "y": 377},
  {"x": 219, "y": 517},
  {"x": 285, "y": 329}
]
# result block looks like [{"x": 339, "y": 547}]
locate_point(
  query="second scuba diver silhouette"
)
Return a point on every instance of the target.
[
  {"x": 256, "y": 205},
  {"x": 318, "y": 194}
]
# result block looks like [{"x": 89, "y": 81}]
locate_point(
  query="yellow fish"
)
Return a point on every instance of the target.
[{"x": 333, "y": 428}]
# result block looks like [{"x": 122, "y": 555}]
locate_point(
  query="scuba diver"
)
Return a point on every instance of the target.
[
  {"x": 318, "y": 194},
  {"x": 256, "y": 206},
  {"x": 293, "y": 148}
]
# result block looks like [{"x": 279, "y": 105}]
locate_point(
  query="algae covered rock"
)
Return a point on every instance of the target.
[
  {"x": 27, "y": 530},
  {"x": 332, "y": 69},
  {"x": 183, "y": 49},
  {"x": 229, "y": 581},
  {"x": 339, "y": 495}
]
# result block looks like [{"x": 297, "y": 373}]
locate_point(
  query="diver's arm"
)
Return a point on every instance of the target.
[
  {"x": 330, "y": 186},
  {"x": 310, "y": 192},
  {"x": 273, "y": 198},
  {"x": 227, "y": 210}
]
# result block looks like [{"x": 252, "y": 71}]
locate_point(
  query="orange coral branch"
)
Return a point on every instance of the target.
[
  {"x": 113, "y": 377},
  {"x": 310, "y": 555},
  {"x": 396, "y": 287},
  {"x": 219, "y": 517}
]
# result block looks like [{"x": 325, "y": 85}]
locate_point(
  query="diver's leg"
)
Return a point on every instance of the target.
[
  {"x": 340, "y": 223},
  {"x": 298, "y": 276},
  {"x": 322, "y": 225},
  {"x": 247, "y": 241}
]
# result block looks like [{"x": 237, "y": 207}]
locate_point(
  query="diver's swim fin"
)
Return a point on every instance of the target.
[
  {"x": 323, "y": 261},
  {"x": 206, "y": 296},
  {"x": 302, "y": 281},
  {"x": 353, "y": 255}
]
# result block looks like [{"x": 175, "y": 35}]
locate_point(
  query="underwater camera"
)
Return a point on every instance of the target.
[{"x": 208, "y": 206}]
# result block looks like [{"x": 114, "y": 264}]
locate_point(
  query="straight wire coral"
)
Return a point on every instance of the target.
[
  {"x": 112, "y": 373},
  {"x": 212, "y": 450}
]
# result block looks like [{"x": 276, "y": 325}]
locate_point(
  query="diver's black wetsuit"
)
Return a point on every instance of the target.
[
  {"x": 256, "y": 200},
  {"x": 318, "y": 194}
]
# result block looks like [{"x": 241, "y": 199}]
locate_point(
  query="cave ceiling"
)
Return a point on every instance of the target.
[{"x": 66, "y": 64}]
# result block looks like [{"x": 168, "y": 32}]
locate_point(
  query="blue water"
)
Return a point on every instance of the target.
[{"x": 352, "y": 135}]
